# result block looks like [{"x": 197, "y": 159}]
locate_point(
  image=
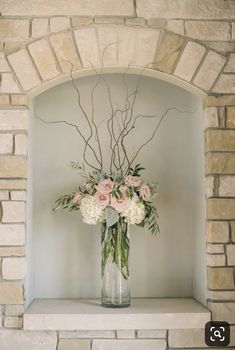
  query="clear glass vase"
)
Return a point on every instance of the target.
[{"x": 115, "y": 265}]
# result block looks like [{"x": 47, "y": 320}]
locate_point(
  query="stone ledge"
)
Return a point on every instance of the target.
[{"x": 87, "y": 314}]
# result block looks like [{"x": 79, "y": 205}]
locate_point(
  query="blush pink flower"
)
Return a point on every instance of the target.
[
  {"x": 77, "y": 198},
  {"x": 105, "y": 186},
  {"x": 145, "y": 192},
  {"x": 120, "y": 204},
  {"x": 133, "y": 181},
  {"x": 102, "y": 199}
]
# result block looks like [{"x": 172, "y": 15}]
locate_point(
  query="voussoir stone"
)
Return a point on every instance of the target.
[
  {"x": 87, "y": 45},
  {"x": 230, "y": 66},
  {"x": 221, "y": 209},
  {"x": 11, "y": 293},
  {"x": 13, "y": 166},
  {"x": 126, "y": 45},
  {"x": 225, "y": 84},
  {"x": 217, "y": 232},
  {"x": 168, "y": 52},
  {"x": 210, "y": 30},
  {"x": 146, "y": 43},
  {"x": 107, "y": 36},
  {"x": 25, "y": 340},
  {"x": 14, "y": 29},
  {"x": 220, "y": 278}
]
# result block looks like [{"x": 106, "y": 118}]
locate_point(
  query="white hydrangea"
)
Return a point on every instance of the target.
[
  {"x": 92, "y": 212},
  {"x": 135, "y": 213}
]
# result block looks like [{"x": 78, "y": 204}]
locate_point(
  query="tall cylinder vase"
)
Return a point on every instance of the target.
[{"x": 115, "y": 265}]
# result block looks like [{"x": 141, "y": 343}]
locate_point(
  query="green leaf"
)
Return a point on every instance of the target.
[{"x": 111, "y": 216}]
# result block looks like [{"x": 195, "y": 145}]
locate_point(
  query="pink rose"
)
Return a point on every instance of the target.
[
  {"x": 133, "y": 181},
  {"x": 120, "y": 204},
  {"x": 77, "y": 198},
  {"x": 102, "y": 199},
  {"x": 145, "y": 192},
  {"x": 105, "y": 186}
]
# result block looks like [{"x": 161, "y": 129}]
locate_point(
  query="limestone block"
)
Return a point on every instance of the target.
[
  {"x": 220, "y": 278},
  {"x": 211, "y": 117},
  {"x": 4, "y": 100},
  {"x": 14, "y": 29},
  {"x": 74, "y": 344},
  {"x": 209, "y": 186},
  {"x": 18, "y": 195},
  {"x": 230, "y": 120},
  {"x": 19, "y": 100},
  {"x": 216, "y": 260},
  {"x": 219, "y": 100},
  {"x": 8, "y": 84},
  {"x": 219, "y": 163},
  {"x": 126, "y": 45},
  {"x": 217, "y": 232},
  {"x": 4, "y": 66},
  {"x": 12, "y": 235},
  {"x": 43, "y": 59},
  {"x": 227, "y": 186},
  {"x": 81, "y": 21},
  {"x": 87, "y": 45},
  {"x": 147, "y": 41},
  {"x": 187, "y": 9},
  {"x": 4, "y": 195},
  {"x": 151, "y": 333},
  {"x": 28, "y": 76},
  {"x": 6, "y": 143},
  {"x": 215, "y": 248},
  {"x": 220, "y": 140},
  {"x": 209, "y": 71},
  {"x": 231, "y": 254},
  {"x": 135, "y": 21},
  {"x": 107, "y": 38},
  {"x": 210, "y": 30},
  {"x": 168, "y": 52},
  {"x": 12, "y": 251},
  {"x": 135, "y": 344},
  {"x": 230, "y": 66},
  {"x": 225, "y": 84},
  {"x": 233, "y": 231},
  {"x": 220, "y": 209},
  {"x": 25, "y": 340},
  {"x": 13, "y": 166},
  {"x": 10, "y": 293},
  {"x": 13, "y": 268},
  {"x": 223, "y": 311},
  {"x": 65, "y": 51},
  {"x": 221, "y": 295},
  {"x": 186, "y": 338},
  {"x": 21, "y": 144},
  {"x": 59, "y": 23},
  {"x": 176, "y": 26},
  {"x": 12, "y": 184},
  {"x": 125, "y": 334},
  {"x": 14, "y": 310},
  {"x": 86, "y": 334},
  {"x": 40, "y": 27},
  {"x": 233, "y": 31},
  {"x": 13, "y": 211},
  {"x": 189, "y": 60},
  {"x": 157, "y": 23},
  {"x": 13, "y": 322}
]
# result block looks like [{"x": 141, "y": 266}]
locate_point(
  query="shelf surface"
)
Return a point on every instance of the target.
[{"x": 88, "y": 314}]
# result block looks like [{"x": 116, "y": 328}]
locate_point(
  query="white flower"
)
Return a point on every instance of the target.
[
  {"x": 135, "y": 213},
  {"x": 91, "y": 211}
]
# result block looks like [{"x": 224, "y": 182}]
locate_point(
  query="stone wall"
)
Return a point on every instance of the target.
[{"x": 190, "y": 42}]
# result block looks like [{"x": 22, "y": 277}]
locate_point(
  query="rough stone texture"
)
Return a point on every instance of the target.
[
  {"x": 81, "y": 21},
  {"x": 218, "y": 295},
  {"x": 230, "y": 119},
  {"x": 209, "y": 186},
  {"x": 146, "y": 43},
  {"x": 157, "y": 23},
  {"x": 220, "y": 278},
  {"x": 187, "y": 9},
  {"x": 65, "y": 51},
  {"x": 223, "y": 311},
  {"x": 126, "y": 46},
  {"x": 152, "y": 333},
  {"x": 6, "y": 143},
  {"x": 209, "y": 70},
  {"x": 233, "y": 30},
  {"x": 4, "y": 195},
  {"x": 217, "y": 232},
  {"x": 125, "y": 334},
  {"x": 59, "y": 23},
  {"x": 27, "y": 76},
  {"x": 86, "y": 334},
  {"x": 44, "y": 59},
  {"x": 13, "y": 212},
  {"x": 12, "y": 235},
  {"x": 225, "y": 84},
  {"x": 10, "y": 293},
  {"x": 220, "y": 209},
  {"x": 231, "y": 254},
  {"x": 221, "y": 46},
  {"x": 12, "y": 251},
  {"x": 19, "y": 100},
  {"x": 58, "y": 7},
  {"x": 14, "y": 310},
  {"x": 129, "y": 344},
  {"x": 208, "y": 30},
  {"x": 39, "y": 27},
  {"x": 18, "y": 195},
  {"x": 233, "y": 231},
  {"x": 227, "y": 186},
  {"x": 14, "y": 29},
  {"x": 135, "y": 21},
  {"x": 13, "y": 166},
  {"x": 8, "y": 84},
  {"x": 230, "y": 66},
  {"x": 74, "y": 344},
  {"x": 106, "y": 36},
  {"x": 215, "y": 248},
  {"x": 220, "y": 163},
  {"x": 176, "y": 26},
  {"x": 211, "y": 117},
  {"x": 186, "y": 338},
  {"x": 189, "y": 60},
  {"x": 4, "y": 100},
  {"x": 13, "y": 322},
  {"x": 216, "y": 260},
  {"x": 17, "y": 340},
  {"x": 13, "y": 268},
  {"x": 12, "y": 184},
  {"x": 4, "y": 66},
  {"x": 168, "y": 52},
  {"x": 87, "y": 46},
  {"x": 220, "y": 140},
  {"x": 21, "y": 144},
  {"x": 219, "y": 101}
]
